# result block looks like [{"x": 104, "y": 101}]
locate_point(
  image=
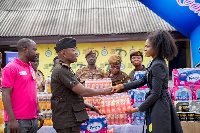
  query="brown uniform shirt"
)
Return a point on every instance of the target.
[
  {"x": 84, "y": 73},
  {"x": 132, "y": 73},
  {"x": 40, "y": 83},
  {"x": 68, "y": 108},
  {"x": 119, "y": 78}
]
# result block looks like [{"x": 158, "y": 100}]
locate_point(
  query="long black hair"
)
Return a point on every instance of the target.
[{"x": 163, "y": 44}]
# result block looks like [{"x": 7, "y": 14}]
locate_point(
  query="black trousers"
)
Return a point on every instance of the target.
[{"x": 69, "y": 130}]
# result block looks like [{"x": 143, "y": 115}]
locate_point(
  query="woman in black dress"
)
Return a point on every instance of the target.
[{"x": 161, "y": 116}]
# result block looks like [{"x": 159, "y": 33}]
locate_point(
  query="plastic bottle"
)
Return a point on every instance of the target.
[
  {"x": 122, "y": 104},
  {"x": 117, "y": 104},
  {"x": 97, "y": 84},
  {"x": 107, "y": 103},
  {"x": 137, "y": 118},
  {"x": 87, "y": 83},
  {"x": 128, "y": 103},
  {"x": 133, "y": 119},
  {"x": 40, "y": 99},
  {"x": 108, "y": 116},
  {"x": 93, "y": 83},
  {"x": 44, "y": 101},
  {"x": 112, "y": 104},
  {"x": 126, "y": 120},
  {"x": 48, "y": 101},
  {"x": 121, "y": 118},
  {"x": 112, "y": 119},
  {"x": 117, "y": 118},
  {"x": 48, "y": 120},
  {"x": 103, "y": 107},
  {"x": 1, "y": 117},
  {"x": 48, "y": 84},
  {"x": 1, "y": 102}
]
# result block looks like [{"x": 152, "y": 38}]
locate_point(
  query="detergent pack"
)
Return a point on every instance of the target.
[
  {"x": 138, "y": 75},
  {"x": 181, "y": 93},
  {"x": 137, "y": 98},
  {"x": 186, "y": 76},
  {"x": 96, "y": 124},
  {"x": 196, "y": 93}
]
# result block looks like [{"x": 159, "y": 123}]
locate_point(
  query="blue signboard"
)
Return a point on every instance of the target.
[
  {"x": 10, "y": 56},
  {"x": 184, "y": 15}
]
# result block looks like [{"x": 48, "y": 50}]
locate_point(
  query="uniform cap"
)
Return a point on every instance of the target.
[
  {"x": 115, "y": 59},
  {"x": 64, "y": 43},
  {"x": 90, "y": 51},
  {"x": 136, "y": 53}
]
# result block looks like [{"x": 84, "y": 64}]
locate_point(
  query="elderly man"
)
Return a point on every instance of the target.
[
  {"x": 136, "y": 58},
  {"x": 68, "y": 108},
  {"x": 91, "y": 71},
  {"x": 116, "y": 75}
]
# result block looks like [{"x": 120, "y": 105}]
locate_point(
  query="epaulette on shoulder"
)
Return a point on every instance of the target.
[{"x": 125, "y": 75}]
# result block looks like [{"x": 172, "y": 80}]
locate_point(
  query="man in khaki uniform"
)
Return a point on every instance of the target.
[
  {"x": 91, "y": 71},
  {"x": 116, "y": 75},
  {"x": 136, "y": 58}
]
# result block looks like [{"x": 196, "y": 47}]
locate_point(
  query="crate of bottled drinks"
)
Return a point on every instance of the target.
[
  {"x": 44, "y": 100},
  {"x": 98, "y": 83},
  {"x": 114, "y": 106}
]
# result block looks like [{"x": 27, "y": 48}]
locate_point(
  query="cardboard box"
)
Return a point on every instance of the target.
[{"x": 190, "y": 127}]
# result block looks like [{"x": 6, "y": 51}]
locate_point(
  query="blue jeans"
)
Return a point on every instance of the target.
[{"x": 26, "y": 126}]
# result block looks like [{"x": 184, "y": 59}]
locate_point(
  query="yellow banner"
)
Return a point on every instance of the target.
[{"x": 104, "y": 51}]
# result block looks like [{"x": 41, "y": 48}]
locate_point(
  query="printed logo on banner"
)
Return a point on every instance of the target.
[
  {"x": 94, "y": 127},
  {"x": 193, "y": 6},
  {"x": 48, "y": 53},
  {"x": 104, "y": 52},
  {"x": 120, "y": 51}
]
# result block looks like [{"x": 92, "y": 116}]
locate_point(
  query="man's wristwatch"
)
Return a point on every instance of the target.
[{"x": 92, "y": 108}]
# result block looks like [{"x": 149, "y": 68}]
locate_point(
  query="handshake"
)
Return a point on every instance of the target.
[{"x": 113, "y": 89}]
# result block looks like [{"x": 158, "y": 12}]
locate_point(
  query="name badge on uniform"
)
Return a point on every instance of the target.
[{"x": 23, "y": 73}]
